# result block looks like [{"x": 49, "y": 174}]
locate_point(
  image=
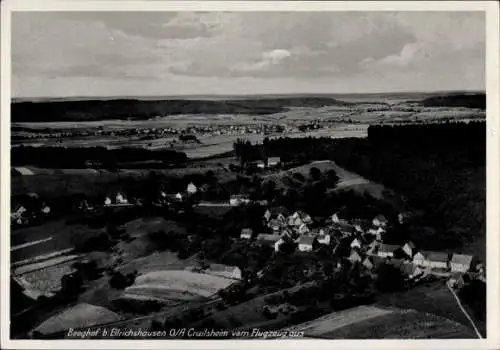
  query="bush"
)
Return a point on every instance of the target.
[{"x": 120, "y": 281}]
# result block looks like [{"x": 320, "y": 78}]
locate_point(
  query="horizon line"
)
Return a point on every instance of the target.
[{"x": 248, "y": 95}]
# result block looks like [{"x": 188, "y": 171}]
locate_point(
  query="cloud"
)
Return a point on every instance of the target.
[{"x": 150, "y": 50}]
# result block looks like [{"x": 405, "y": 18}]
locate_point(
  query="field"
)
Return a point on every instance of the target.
[
  {"x": 48, "y": 279},
  {"x": 79, "y": 316},
  {"x": 195, "y": 283},
  {"x": 249, "y": 313},
  {"x": 433, "y": 298},
  {"x": 383, "y": 324},
  {"x": 347, "y": 179},
  {"x": 329, "y": 323}
]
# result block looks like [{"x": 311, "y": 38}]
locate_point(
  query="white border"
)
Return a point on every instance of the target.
[{"x": 493, "y": 228}]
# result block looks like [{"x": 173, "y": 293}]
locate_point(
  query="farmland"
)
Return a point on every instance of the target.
[{"x": 374, "y": 323}]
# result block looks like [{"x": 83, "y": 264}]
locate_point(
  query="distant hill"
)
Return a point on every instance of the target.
[
  {"x": 135, "y": 109},
  {"x": 456, "y": 100}
]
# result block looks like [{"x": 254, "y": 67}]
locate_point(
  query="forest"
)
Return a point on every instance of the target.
[
  {"x": 437, "y": 168},
  {"x": 92, "y": 110},
  {"x": 88, "y": 157}
]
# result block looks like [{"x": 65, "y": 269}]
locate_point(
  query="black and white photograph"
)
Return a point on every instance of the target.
[{"x": 219, "y": 174}]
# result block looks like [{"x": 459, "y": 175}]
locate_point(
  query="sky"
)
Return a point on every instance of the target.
[{"x": 63, "y": 54}]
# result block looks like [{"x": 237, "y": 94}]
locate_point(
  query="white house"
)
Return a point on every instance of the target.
[
  {"x": 303, "y": 229},
  {"x": 337, "y": 219},
  {"x": 107, "y": 201},
  {"x": 324, "y": 239},
  {"x": 232, "y": 272},
  {"x": 380, "y": 221},
  {"x": 20, "y": 210},
  {"x": 46, "y": 209},
  {"x": 267, "y": 215},
  {"x": 460, "y": 263},
  {"x": 246, "y": 233},
  {"x": 431, "y": 259},
  {"x": 409, "y": 249},
  {"x": 273, "y": 161},
  {"x": 238, "y": 200},
  {"x": 120, "y": 199},
  {"x": 354, "y": 257},
  {"x": 419, "y": 259},
  {"x": 178, "y": 196},
  {"x": 306, "y": 244},
  {"x": 355, "y": 243},
  {"x": 386, "y": 250},
  {"x": 191, "y": 188},
  {"x": 261, "y": 164}
]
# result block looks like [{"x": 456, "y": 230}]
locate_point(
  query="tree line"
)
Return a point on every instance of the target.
[{"x": 85, "y": 157}]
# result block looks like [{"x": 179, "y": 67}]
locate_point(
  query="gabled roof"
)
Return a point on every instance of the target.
[
  {"x": 246, "y": 231},
  {"x": 268, "y": 237},
  {"x": 461, "y": 259},
  {"x": 435, "y": 256},
  {"x": 381, "y": 217},
  {"x": 410, "y": 244}
]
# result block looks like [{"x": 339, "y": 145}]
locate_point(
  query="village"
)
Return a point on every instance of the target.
[{"x": 344, "y": 240}]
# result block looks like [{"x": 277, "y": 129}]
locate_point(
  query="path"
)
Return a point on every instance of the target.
[{"x": 463, "y": 310}]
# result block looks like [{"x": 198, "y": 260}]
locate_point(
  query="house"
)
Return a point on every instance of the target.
[
  {"x": 281, "y": 219},
  {"x": 267, "y": 215},
  {"x": 373, "y": 248},
  {"x": 18, "y": 212},
  {"x": 246, "y": 233},
  {"x": 386, "y": 250},
  {"x": 346, "y": 230},
  {"x": 238, "y": 199},
  {"x": 324, "y": 239},
  {"x": 120, "y": 199},
  {"x": 303, "y": 229},
  {"x": 359, "y": 225},
  {"x": 306, "y": 244},
  {"x": 438, "y": 260},
  {"x": 273, "y": 162},
  {"x": 460, "y": 263},
  {"x": 46, "y": 209},
  {"x": 107, "y": 201},
  {"x": 419, "y": 259},
  {"x": 232, "y": 272},
  {"x": 286, "y": 233},
  {"x": 354, "y": 257},
  {"x": 278, "y": 244},
  {"x": 380, "y": 221},
  {"x": 260, "y": 164},
  {"x": 409, "y": 249},
  {"x": 456, "y": 280},
  {"x": 337, "y": 219},
  {"x": 268, "y": 239},
  {"x": 355, "y": 243},
  {"x": 178, "y": 196},
  {"x": 191, "y": 188},
  {"x": 431, "y": 259},
  {"x": 274, "y": 225}
]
